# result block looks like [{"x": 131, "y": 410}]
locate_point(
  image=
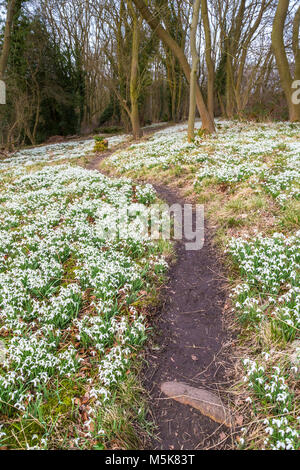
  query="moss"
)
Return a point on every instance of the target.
[
  {"x": 21, "y": 434},
  {"x": 58, "y": 408},
  {"x": 70, "y": 267},
  {"x": 61, "y": 401}
]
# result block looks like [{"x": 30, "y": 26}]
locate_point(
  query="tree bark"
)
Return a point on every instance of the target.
[
  {"x": 7, "y": 36},
  {"x": 229, "y": 83},
  {"x": 208, "y": 58},
  {"x": 281, "y": 56},
  {"x": 240, "y": 101},
  {"x": 207, "y": 122},
  {"x": 296, "y": 48},
  {"x": 193, "y": 79},
  {"x": 134, "y": 114}
]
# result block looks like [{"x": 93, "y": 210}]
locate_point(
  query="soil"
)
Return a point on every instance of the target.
[{"x": 190, "y": 343}]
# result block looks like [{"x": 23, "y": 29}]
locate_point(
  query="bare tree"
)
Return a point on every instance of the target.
[
  {"x": 134, "y": 76},
  {"x": 194, "y": 69},
  {"x": 208, "y": 58},
  {"x": 207, "y": 122},
  {"x": 242, "y": 48},
  {"x": 281, "y": 55},
  {"x": 7, "y": 35}
]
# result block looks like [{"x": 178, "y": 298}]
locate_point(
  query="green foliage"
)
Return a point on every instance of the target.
[
  {"x": 220, "y": 78},
  {"x": 101, "y": 144},
  {"x": 107, "y": 113},
  {"x": 45, "y": 85}
]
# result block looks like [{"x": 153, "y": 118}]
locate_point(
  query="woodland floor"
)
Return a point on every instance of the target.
[
  {"x": 189, "y": 344},
  {"x": 225, "y": 318}
]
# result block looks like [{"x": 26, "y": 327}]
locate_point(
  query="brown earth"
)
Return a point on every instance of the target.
[{"x": 192, "y": 345}]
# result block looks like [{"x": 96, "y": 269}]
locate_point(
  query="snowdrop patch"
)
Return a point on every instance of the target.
[
  {"x": 269, "y": 385},
  {"x": 63, "y": 286},
  {"x": 268, "y": 154},
  {"x": 271, "y": 267},
  {"x": 56, "y": 152}
]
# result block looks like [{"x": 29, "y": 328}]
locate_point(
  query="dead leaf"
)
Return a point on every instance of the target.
[{"x": 239, "y": 420}]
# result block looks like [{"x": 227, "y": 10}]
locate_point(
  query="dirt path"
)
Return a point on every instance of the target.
[
  {"x": 189, "y": 345},
  {"x": 192, "y": 341}
]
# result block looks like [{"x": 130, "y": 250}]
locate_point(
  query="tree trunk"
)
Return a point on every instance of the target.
[
  {"x": 296, "y": 48},
  {"x": 134, "y": 114},
  {"x": 207, "y": 122},
  {"x": 209, "y": 61},
  {"x": 193, "y": 79},
  {"x": 281, "y": 57},
  {"x": 229, "y": 85},
  {"x": 7, "y": 35},
  {"x": 223, "y": 112}
]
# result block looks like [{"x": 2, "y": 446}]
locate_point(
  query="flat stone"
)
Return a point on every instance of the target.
[{"x": 206, "y": 402}]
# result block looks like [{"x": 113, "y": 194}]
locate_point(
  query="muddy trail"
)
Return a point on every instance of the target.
[{"x": 190, "y": 343}]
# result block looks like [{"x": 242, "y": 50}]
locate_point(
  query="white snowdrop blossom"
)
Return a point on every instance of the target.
[
  {"x": 239, "y": 151},
  {"x": 64, "y": 285},
  {"x": 269, "y": 385},
  {"x": 270, "y": 266}
]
